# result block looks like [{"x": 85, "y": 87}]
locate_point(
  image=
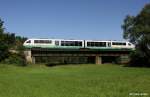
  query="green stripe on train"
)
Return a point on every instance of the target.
[
  {"x": 73, "y": 47},
  {"x": 78, "y": 47}
]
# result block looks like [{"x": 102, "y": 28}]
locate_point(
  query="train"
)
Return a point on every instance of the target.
[{"x": 77, "y": 44}]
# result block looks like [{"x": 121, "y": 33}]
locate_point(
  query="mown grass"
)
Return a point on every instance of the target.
[{"x": 73, "y": 81}]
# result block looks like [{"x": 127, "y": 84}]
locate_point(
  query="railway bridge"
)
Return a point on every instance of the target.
[{"x": 77, "y": 56}]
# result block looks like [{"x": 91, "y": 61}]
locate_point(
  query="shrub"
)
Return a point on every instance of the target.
[
  {"x": 15, "y": 59},
  {"x": 50, "y": 64},
  {"x": 138, "y": 59}
]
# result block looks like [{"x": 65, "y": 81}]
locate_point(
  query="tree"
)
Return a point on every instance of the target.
[
  {"x": 3, "y": 46},
  {"x": 7, "y": 40},
  {"x": 10, "y": 43},
  {"x": 137, "y": 30}
]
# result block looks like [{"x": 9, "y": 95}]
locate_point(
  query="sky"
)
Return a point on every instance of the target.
[{"x": 68, "y": 19}]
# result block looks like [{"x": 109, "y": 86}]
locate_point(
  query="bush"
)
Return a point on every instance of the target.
[
  {"x": 138, "y": 59},
  {"x": 53, "y": 64},
  {"x": 15, "y": 59}
]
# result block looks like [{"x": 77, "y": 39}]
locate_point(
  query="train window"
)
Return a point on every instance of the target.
[
  {"x": 103, "y": 44},
  {"x": 96, "y": 44},
  {"x": 48, "y": 41},
  {"x": 62, "y": 43},
  {"x": 56, "y": 42},
  {"x": 118, "y": 43},
  {"x": 88, "y": 43},
  {"x": 29, "y": 41},
  {"x": 67, "y": 43},
  {"x": 76, "y": 43},
  {"x": 71, "y": 43},
  {"x": 43, "y": 41},
  {"x": 129, "y": 44},
  {"x": 109, "y": 44},
  {"x": 80, "y": 43},
  {"x": 92, "y": 43}
]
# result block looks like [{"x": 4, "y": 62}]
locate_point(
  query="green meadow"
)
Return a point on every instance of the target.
[{"x": 86, "y": 80}]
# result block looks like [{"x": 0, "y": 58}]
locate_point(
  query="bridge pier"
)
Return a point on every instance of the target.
[
  {"x": 33, "y": 59},
  {"x": 28, "y": 56},
  {"x": 98, "y": 59}
]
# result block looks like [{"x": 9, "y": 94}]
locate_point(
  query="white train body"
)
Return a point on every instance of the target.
[{"x": 62, "y": 43}]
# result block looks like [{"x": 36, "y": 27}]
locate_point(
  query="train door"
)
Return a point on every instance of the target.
[
  {"x": 109, "y": 44},
  {"x": 56, "y": 43}
]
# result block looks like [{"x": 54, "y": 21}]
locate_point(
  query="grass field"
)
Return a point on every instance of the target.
[{"x": 74, "y": 81}]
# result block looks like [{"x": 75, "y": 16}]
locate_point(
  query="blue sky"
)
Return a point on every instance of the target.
[{"x": 68, "y": 19}]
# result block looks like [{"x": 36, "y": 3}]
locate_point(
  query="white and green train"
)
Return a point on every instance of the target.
[{"x": 77, "y": 44}]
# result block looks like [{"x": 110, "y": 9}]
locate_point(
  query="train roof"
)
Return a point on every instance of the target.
[
  {"x": 78, "y": 40},
  {"x": 54, "y": 39}
]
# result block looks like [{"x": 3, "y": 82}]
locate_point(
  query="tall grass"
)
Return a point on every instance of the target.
[{"x": 73, "y": 81}]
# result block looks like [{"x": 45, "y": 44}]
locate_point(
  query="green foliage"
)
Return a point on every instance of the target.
[
  {"x": 3, "y": 45},
  {"x": 8, "y": 41},
  {"x": 15, "y": 59},
  {"x": 73, "y": 81},
  {"x": 19, "y": 43},
  {"x": 137, "y": 27},
  {"x": 137, "y": 30},
  {"x": 1, "y": 28},
  {"x": 138, "y": 59},
  {"x": 3, "y": 50}
]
